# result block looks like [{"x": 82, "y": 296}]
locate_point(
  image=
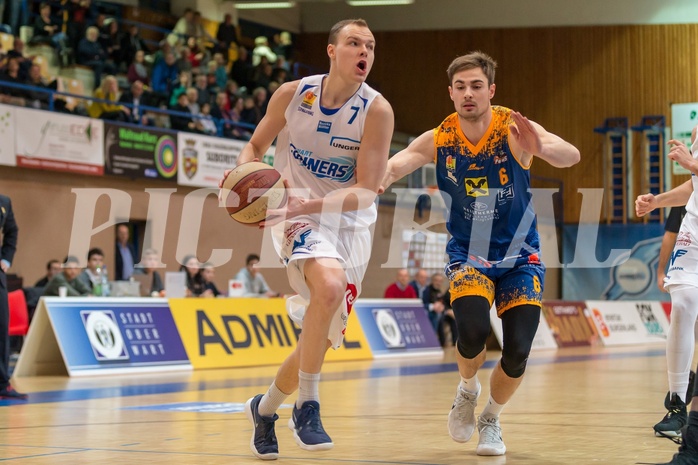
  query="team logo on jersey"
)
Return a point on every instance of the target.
[
  {"x": 324, "y": 126},
  {"x": 451, "y": 169},
  {"x": 505, "y": 194},
  {"x": 683, "y": 239},
  {"x": 676, "y": 254},
  {"x": 344, "y": 143},
  {"x": 301, "y": 245},
  {"x": 340, "y": 169},
  {"x": 306, "y": 105},
  {"x": 474, "y": 166},
  {"x": 476, "y": 187},
  {"x": 499, "y": 159}
]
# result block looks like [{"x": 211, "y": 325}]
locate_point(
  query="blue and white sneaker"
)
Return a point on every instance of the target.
[
  {"x": 263, "y": 442},
  {"x": 307, "y": 427}
]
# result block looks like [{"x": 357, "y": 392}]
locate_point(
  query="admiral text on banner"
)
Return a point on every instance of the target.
[
  {"x": 58, "y": 142},
  {"x": 236, "y": 332}
]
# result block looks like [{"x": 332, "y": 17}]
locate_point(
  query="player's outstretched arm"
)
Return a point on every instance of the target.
[
  {"x": 676, "y": 197},
  {"x": 420, "y": 152},
  {"x": 533, "y": 140},
  {"x": 681, "y": 154}
]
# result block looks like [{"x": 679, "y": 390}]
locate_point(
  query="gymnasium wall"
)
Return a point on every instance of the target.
[{"x": 568, "y": 79}]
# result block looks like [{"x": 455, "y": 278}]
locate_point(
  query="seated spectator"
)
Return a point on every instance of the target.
[
  {"x": 137, "y": 70},
  {"x": 193, "y": 97},
  {"x": 148, "y": 267},
  {"x": 24, "y": 61},
  {"x": 252, "y": 280},
  {"x": 37, "y": 98},
  {"x": 180, "y": 86},
  {"x": 46, "y": 31},
  {"x": 53, "y": 267},
  {"x": 260, "y": 100},
  {"x": 81, "y": 13},
  {"x": 201, "y": 86},
  {"x": 237, "y": 131},
  {"x": 182, "y": 122},
  {"x": 283, "y": 45},
  {"x": 206, "y": 122},
  {"x": 227, "y": 33},
  {"x": 197, "y": 53},
  {"x": 261, "y": 49},
  {"x": 195, "y": 283},
  {"x": 164, "y": 76},
  {"x": 132, "y": 43},
  {"x": 250, "y": 114},
  {"x": 68, "y": 278},
  {"x": 233, "y": 90},
  {"x": 420, "y": 282},
  {"x": 107, "y": 110},
  {"x": 91, "y": 54},
  {"x": 438, "y": 304},
  {"x": 110, "y": 39},
  {"x": 262, "y": 74},
  {"x": 183, "y": 29},
  {"x": 401, "y": 288},
  {"x": 92, "y": 276},
  {"x": 242, "y": 69},
  {"x": 218, "y": 65},
  {"x": 183, "y": 63},
  {"x": 208, "y": 273},
  {"x": 200, "y": 32},
  {"x": 135, "y": 97},
  {"x": 12, "y": 95}
]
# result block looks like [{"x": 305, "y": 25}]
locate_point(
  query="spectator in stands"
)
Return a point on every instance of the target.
[
  {"x": 181, "y": 85},
  {"x": 401, "y": 288},
  {"x": 232, "y": 89},
  {"x": 132, "y": 43},
  {"x": 261, "y": 49},
  {"x": 260, "y": 100},
  {"x": 250, "y": 113},
  {"x": 18, "y": 53},
  {"x": 91, "y": 54},
  {"x": 208, "y": 274},
  {"x": 193, "y": 97},
  {"x": 201, "y": 86},
  {"x": 279, "y": 75},
  {"x": 182, "y": 122},
  {"x": 91, "y": 275},
  {"x": 252, "y": 280},
  {"x": 238, "y": 131},
  {"x": 195, "y": 283},
  {"x": 283, "y": 45},
  {"x": 208, "y": 125},
  {"x": 135, "y": 97},
  {"x": 183, "y": 63},
  {"x": 197, "y": 53},
  {"x": 37, "y": 98},
  {"x": 53, "y": 267},
  {"x": 12, "y": 95},
  {"x": 137, "y": 70},
  {"x": 183, "y": 29},
  {"x": 200, "y": 31},
  {"x": 420, "y": 282},
  {"x": 227, "y": 34},
  {"x": 438, "y": 304},
  {"x": 80, "y": 14},
  {"x": 124, "y": 253},
  {"x": 263, "y": 74},
  {"x": 46, "y": 30},
  {"x": 110, "y": 39},
  {"x": 109, "y": 109},
  {"x": 68, "y": 278},
  {"x": 217, "y": 66},
  {"x": 148, "y": 267},
  {"x": 164, "y": 76},
  {"x": 242, "y": 69}
]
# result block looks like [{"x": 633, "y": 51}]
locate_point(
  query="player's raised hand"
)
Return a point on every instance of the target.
[
  {"x": 525, "y": 134},
  {"x": 295, "y": 206},
  {"x": 644, "y": 204},
  {"x": 681, "y": 154}
]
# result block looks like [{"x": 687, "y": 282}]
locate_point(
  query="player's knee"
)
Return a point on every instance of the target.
[
  {"x": 330, "y": 294},
  {"x": 514, "y": 361},
  {"x": 472, "y": 323}
]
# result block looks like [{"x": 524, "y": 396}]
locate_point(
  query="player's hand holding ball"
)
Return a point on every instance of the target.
[{"x": 251, "y": 189}]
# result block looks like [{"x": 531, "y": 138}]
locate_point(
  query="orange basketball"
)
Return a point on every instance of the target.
[{"x": 250, "y": 189}]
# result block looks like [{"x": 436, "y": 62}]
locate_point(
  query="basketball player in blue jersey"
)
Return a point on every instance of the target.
[
  {"x": 483, "y": 154},
  {"x": 334, "y": 135}
]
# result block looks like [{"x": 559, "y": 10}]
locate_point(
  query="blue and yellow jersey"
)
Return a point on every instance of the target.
[{"x": 488, "y": 190}]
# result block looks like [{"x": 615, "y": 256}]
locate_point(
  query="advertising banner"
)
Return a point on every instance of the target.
[
  {"x": 570, "y": 323},
  {"x": 684, "y": 117},
  {"x": 140, "y": 152},
  {"x": 203, "y": 159},
  {"x": 100, "y": 336},
  {"x": 58, "y": 142},
  {"x": 396, "y": 327},
  {"x": 620, "y": 323},
  {"x": 236, "y": 332},
  {"x": 542, "y": 340},
  {"x": 8, "y": 155}
]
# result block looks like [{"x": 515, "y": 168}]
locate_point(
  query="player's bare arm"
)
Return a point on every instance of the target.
[
  {"x": 529, "y": 139},
  {"x": 419, "y": 153},
  {"x": 681, "y": 154},
  {"x": 676, "y": 197}
]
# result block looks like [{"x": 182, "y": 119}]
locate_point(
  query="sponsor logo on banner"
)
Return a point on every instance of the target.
[
  {"x": 191, "y": 158},
  {"x": 104, "y": 335},
  {"x": 8, "y": 154},
  {"x": 234, "y": 332},
  {"x": 629, "y": 322},
  {"x": 388, "y": 328},
  {"x": 140, "y": 152},
  {"x": 570, "y": 323}
]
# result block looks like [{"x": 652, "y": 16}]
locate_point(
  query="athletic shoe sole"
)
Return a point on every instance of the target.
[{"x": 250, "y": 416}]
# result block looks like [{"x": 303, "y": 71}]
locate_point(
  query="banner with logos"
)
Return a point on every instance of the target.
[
  {"x": 620, "y": 323},
  {"x": 542, "y": 340},
  {"x": 8, "y": 155},
  {"x": 58, "y": 142},
  {"x": 397, "y": 327},
  {"x": 237, "y": 332},
  {"x": 101, "y": 336},
  {"x": 203, "y": 159},
  {"x": 140, "y": 152},
  {"x": 570, "y": 323},
  {"x": 684, "y": 117}
]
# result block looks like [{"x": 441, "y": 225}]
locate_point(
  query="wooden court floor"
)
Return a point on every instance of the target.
[{"x": 576, "y": 406}]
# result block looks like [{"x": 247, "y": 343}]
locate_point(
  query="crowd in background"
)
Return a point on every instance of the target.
[{"x": 211, "y": 84}]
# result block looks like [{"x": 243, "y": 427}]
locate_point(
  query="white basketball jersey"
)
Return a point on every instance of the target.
[
  {"x": 318, "y": 147},
  {"x": 692, "y": 205}
]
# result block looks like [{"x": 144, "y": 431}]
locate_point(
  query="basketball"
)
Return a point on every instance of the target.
[{"x": 250, "y": 189}]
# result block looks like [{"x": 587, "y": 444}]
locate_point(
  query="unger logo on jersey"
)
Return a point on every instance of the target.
[{"x": 476, "y": 187}]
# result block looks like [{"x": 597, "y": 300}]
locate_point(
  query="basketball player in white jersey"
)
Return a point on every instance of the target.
[
  {"x": 682, "y": 284},
  {"x": 334, "y": 135}
]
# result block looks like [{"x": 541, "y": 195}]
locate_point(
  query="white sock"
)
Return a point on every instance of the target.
[
  {"x": 271, "y": 401},
  {"x": 492, "y": 409},
  {"x": 471, "y": 385},
  {"x": 308, "y": 388}
]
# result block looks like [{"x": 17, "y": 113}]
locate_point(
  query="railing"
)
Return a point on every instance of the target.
[{"x": 52, "y": 97}]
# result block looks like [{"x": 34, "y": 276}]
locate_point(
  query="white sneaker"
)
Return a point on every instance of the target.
[
  {"x": 461, "y": 418},
  {"x": 490, "y": 442}
]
